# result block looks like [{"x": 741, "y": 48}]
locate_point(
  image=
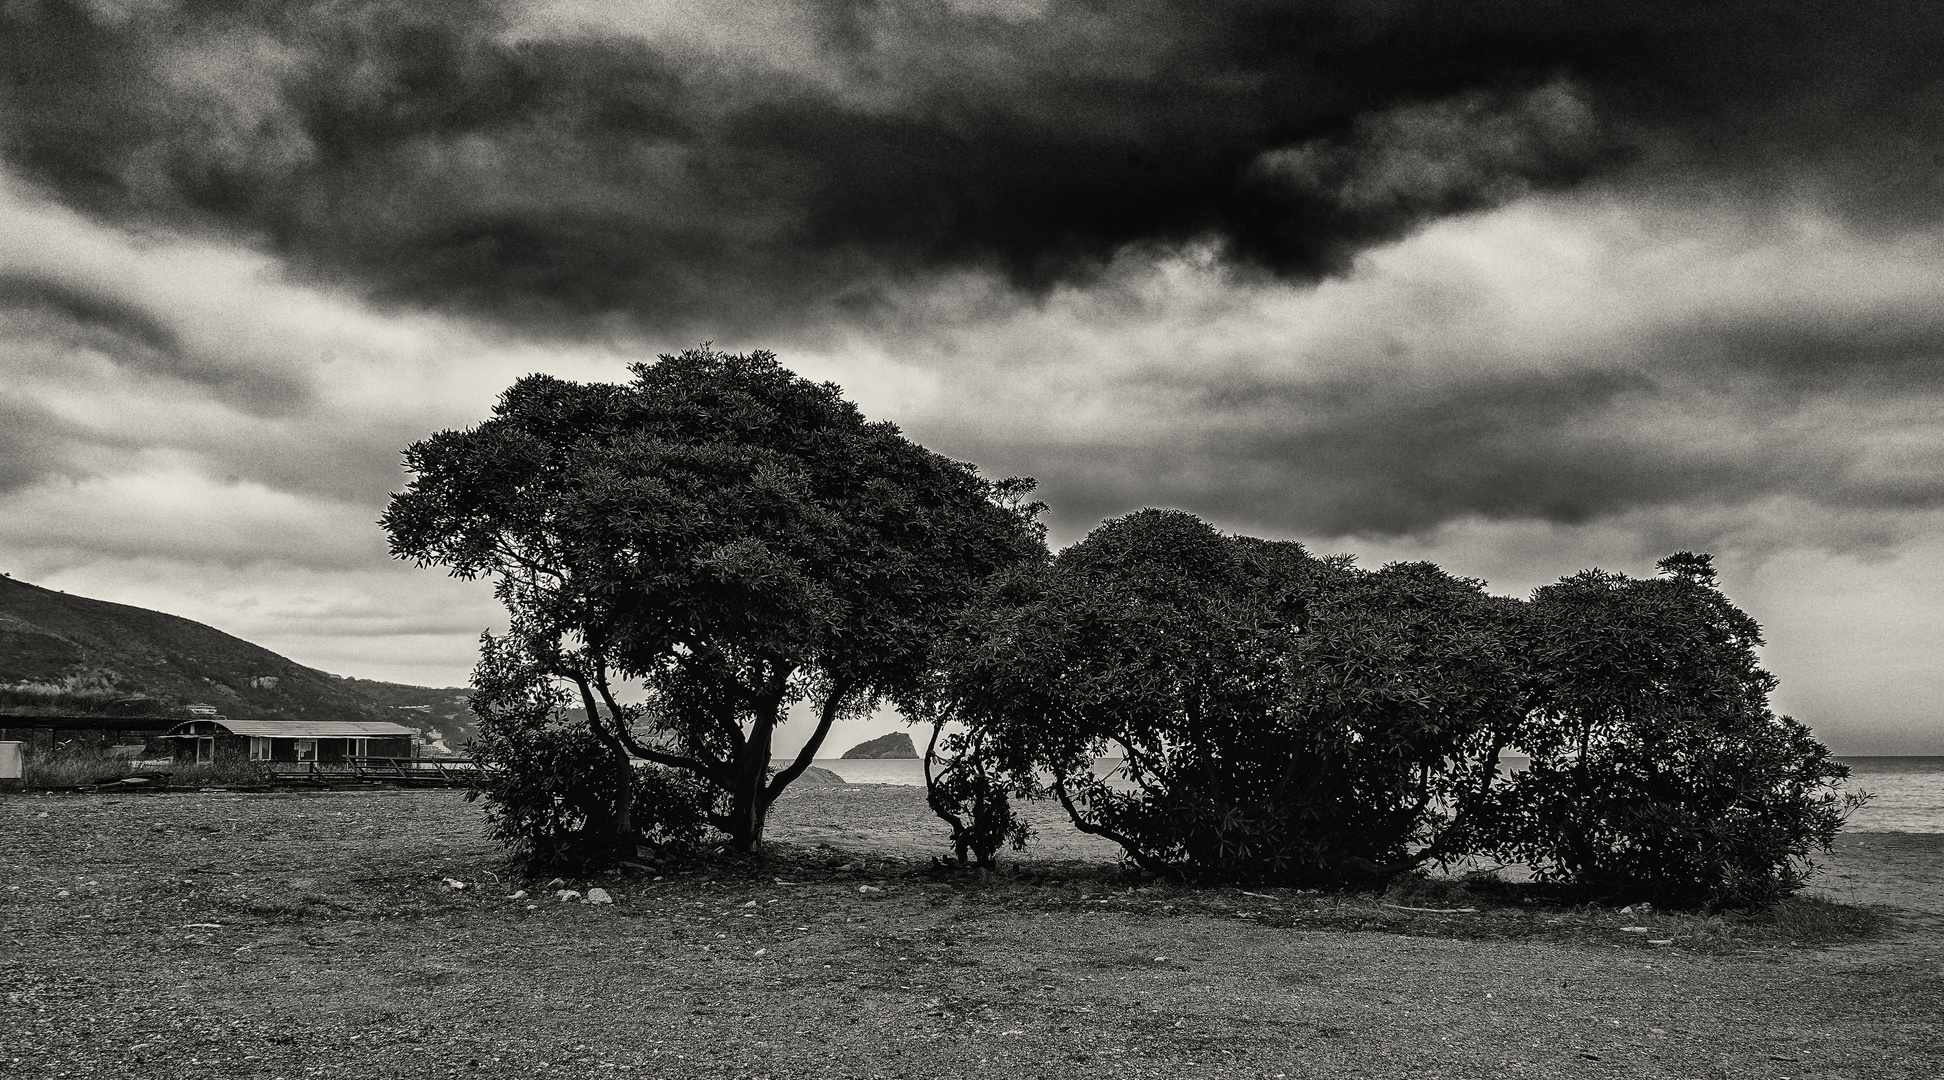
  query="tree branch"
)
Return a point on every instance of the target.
[
  {"x": 832, "y": 706},
  {"x": 936, "y": 800},
  {"x": 635, "y": 746},
  {"x": 1143, "y": 859}
]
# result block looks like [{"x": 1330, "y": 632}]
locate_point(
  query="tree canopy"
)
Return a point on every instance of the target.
[
  {"x": 691, "y": 553},
  {"x": 1657, "y": 768},
  {"x": 1300, "y": 720},
  {"x": 1280, "y": 717},
  {"x": 728, "y": 536}
]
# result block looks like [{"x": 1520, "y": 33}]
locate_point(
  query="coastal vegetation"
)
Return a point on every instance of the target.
[
  {"x": 726, "y": 536},
  {"x": 687, "y": 555}
]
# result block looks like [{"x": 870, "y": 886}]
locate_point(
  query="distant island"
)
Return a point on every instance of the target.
[{"x": 895, "y": 745}]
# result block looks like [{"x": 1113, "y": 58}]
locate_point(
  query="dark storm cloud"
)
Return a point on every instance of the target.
[
  {"x": 430, "y": 155},
  {"x": 115, "y": 325},
  {"x": 29, "y": 445},
  {"x": 1840, "y": 414},
  {"x": 60, "y": 318}
]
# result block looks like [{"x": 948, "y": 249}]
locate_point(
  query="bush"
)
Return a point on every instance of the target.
[
  {"x": 1281, "y": 718},
  {"x": 1658, "y": 771},
  {"x": 554, "y": 790},
  {"x": 1297, "y": 720},
  {"x": 964, "y": 788},
  {"x": 551, "y": 799}
]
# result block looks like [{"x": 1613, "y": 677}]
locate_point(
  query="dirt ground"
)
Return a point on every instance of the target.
[{"x": 316, "y": 935}]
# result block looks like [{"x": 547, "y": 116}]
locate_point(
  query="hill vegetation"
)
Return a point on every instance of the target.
[
  {"x": 61, "y": 653},
  {"x": 896, "y": 744}
]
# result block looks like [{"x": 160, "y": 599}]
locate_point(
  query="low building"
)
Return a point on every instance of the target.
[
  {"x": 324, "y": 742},
  {"x": 123, "y": 736}
]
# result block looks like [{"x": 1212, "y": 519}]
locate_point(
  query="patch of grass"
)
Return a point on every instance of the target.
[
  {"x": 1473, "y": 908},
  {"x": 71, "y": 769},
  {"x": 77, "y": 769},
  {"x": 1811, "y": 920}
]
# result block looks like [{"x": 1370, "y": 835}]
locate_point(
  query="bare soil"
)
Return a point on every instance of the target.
[{"x": 316, "y": 935}]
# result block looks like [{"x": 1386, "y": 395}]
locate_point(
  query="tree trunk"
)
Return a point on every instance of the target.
[
  {"x": 749, "y": 803},
  {"x": 623, "y": 763},
  {"x": 624, "y": 826}
]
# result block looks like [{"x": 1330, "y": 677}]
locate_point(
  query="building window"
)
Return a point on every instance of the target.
[
  {"x": 205, "y": 751},
  {"x": 306, "y": 749},
  {"x": 360, "y": 748},
  {"x": 259, "y": 748}
]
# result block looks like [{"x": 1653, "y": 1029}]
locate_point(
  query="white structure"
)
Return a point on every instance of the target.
[{"x": 10, "y": 760}]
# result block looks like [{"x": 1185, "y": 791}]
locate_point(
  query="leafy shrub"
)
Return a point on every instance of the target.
[
  {"x": 557, "y": 796},
  {"x": 963, "y": 788},
  {"x": 1658, "y": 771},
  {"x": 1298, "y": 720},
  {"x": 1281, "y": 718}
]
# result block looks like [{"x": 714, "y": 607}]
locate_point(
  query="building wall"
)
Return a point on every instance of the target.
[
  {"x": 400, "y": 747},
  {"x": 228, "y": 748}
]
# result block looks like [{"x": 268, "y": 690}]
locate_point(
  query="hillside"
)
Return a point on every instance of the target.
[{"x": 60, "y": 652}]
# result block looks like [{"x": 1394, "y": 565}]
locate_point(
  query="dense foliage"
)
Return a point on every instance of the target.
[
  {"x": 1658, "y": 770},
  {"x": 1280, "y": 717},
  {"x": 556, "y": 795},
  {"x": 728, "y": 537},
  {"x": 1300, "y": 720},
  {"x": 730, "y": 540}
]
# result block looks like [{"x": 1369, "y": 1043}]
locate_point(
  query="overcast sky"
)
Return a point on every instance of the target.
[{"x": 1520, "y": 288}]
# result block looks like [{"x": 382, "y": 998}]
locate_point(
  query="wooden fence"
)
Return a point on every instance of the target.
[{"x": 412, "y": 772}]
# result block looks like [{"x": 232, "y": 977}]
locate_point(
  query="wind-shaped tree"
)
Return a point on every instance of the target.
[
  {"x": 726, "y": 536},
  {"x": 1658, "y": 769},
  {"x": 1279, "y": 717}
]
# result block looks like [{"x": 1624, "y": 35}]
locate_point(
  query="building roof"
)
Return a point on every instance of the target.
[
  {"x": 21, "y": 722},
  {"x": 307, "y": 729}
]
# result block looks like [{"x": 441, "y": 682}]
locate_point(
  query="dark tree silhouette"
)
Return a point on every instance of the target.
[
  {"x": 1658, "y": 770},
  {"x": 726, "y": 536},
  {"x": 1281, "y": 717}
]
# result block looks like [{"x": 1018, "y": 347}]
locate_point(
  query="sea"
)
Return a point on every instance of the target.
[{"x": 1908, "y": 791}]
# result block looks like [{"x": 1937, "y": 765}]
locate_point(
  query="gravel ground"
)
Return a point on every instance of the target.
[{"x": 314, "y": 935}]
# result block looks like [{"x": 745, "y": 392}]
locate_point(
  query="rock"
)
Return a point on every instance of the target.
[
  {"x": 818, "y": 776},
  {"x": 897, "y": 744},
  {"x": 557, "y": 883},
  {"x": 521, "y": 895},
  {"x": 868, "y": 889},
  {"x": 567, "y": 895},
  {"x": 454, "y": 884},
  {"x": 598, "y": 895}
]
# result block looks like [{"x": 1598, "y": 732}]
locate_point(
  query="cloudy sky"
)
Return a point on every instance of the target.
[{"x": 1519, "y": 287}]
